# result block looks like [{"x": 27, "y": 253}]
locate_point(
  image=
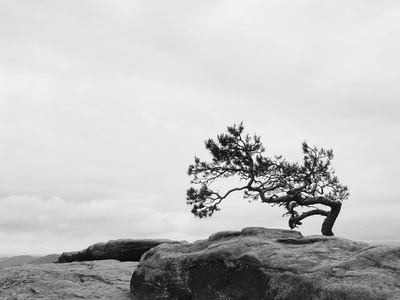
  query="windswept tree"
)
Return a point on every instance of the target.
[{"x": 303, "y": 190}]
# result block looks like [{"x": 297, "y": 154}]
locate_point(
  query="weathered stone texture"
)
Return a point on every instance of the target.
[
  {"x": 260, "y": 263},
  {"x": 108, "y": 279}
]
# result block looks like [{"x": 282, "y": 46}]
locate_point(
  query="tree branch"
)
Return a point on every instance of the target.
[
  {"x": 273, "y": 180},
  {"x": 296, "y": 218}
]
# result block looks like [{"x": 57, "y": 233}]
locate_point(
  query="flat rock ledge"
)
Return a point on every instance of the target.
[
  {"x": 122, "y": 250},
  {"x": 264, "y": 264},
  {"x": 106, "y": 279}
]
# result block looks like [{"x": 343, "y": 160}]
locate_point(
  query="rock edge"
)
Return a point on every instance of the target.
[{"x": 262, "y": 264}]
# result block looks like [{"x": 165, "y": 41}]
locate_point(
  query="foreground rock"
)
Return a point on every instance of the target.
[
  {"x": 260, "y": 263},
  {"x": 79, "y": 280},
  {"x": 122, "y": 250}
]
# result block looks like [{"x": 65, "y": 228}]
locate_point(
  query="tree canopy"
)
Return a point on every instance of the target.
[{"x": 301, "y": 189}]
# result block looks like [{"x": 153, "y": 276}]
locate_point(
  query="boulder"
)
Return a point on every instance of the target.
[
  {"x": 263, "y": 264},
  {"x": 122, "y": 250},
  {"x": 106, "y": 279}
]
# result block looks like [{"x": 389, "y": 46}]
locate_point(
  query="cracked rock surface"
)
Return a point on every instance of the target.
[
  {"x": 265, "y": 264},
  {"x": 107, "y": 279}
]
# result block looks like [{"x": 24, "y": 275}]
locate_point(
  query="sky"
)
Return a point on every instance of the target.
[{"x": 104, "y": 104}]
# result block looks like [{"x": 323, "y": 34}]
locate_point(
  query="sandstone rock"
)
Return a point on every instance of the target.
[
  {"x": 107, "y": 279},
  {"x": 264, "y": 264},
  {"x": 122, "y": 250}
]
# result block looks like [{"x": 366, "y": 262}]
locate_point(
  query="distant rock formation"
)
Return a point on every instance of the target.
[
  {"x": 107, "y": 279},
  {"x": 122, "y": 250},
  {"x": 265, "y": 264}
]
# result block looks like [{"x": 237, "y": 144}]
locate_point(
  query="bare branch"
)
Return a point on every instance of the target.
[{"x": 295, "y": 219}]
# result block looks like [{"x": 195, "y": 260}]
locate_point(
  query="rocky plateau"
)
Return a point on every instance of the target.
[
  {"x": 103, "y": 279},
  {"x": 268, "y": 264},
  {"x": 252, "y": 264}
]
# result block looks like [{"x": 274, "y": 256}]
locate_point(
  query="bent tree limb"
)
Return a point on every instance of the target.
[{"x": 272, "y": 180}]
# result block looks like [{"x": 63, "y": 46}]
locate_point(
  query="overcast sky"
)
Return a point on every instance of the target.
[{"x": 104, "y": 104}]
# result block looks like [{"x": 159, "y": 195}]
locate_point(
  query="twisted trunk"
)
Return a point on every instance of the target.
[{"x": 329, "y": 221}]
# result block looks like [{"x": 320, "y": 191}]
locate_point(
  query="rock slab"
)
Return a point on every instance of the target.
[
  {"x": 265, "y": 264},
  {"x": 107, "y": 279},
  {"x": 122, "y": 250}
]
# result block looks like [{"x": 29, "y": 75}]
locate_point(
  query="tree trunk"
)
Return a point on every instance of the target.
[{"x": 329, "y": 221}]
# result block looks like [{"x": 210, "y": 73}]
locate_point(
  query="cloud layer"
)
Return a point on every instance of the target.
[{"x": 103, "y": 106}]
